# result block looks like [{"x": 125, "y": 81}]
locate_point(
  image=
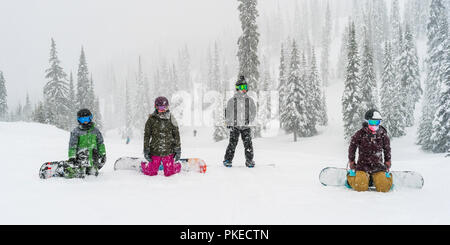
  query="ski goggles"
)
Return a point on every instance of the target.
[
  {"x": 85, "y": 119},
  {"x": 161, "y": 108},
  {"x": 242, "y": 87},
  {"x": 374, "y": 122}
]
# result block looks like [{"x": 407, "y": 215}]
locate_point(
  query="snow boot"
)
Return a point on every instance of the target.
[
  {"x": 227, "y": 164},
  {"x": 250, "y": 164}
]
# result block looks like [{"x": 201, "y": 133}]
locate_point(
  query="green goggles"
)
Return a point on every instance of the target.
[{"x": 242, "y": 87}]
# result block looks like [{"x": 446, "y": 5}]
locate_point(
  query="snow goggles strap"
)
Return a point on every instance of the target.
[
  {"x": 242, "y": 87},
  {"x": 85, "y": 119},
  {"x": 374, "y": 122}
]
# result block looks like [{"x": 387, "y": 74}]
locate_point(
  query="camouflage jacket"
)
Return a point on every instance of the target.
[{"x": 161, "y": 136}]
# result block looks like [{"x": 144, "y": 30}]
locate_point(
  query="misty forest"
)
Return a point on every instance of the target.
[{"x": 392, "y": 55}]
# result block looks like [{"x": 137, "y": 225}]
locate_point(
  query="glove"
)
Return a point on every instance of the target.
[
  {"x": 388, "y": 165},
  {"x": 352, "y": 165},
  {"x": 177, "y": 155},
  {"x": 101, "y": 162},
  {"x": 148, "y": 156}
]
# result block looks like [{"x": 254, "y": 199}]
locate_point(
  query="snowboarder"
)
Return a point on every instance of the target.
[
  {"x": 372, "y": 143},
  {"x": 87, "y": 152},
  {"x": 161, "y": 141},
  {"x": 239, "y": 115}
]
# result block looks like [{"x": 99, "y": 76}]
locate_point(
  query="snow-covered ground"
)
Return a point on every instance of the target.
[{"x": 290, "y": 193}]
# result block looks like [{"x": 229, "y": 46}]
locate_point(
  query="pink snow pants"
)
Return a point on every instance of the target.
[{"x": 170, "y": 167}]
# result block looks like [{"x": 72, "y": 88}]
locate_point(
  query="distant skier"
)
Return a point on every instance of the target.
[
  {"x": 195, "y": 132},
  {"x": 239, "y": 115},
  {"x": 87, "y": 152},
  {"x": 372, "y": 143},
  {"x": 161, "y": 141},
  {"x": 128, "y": 140}
]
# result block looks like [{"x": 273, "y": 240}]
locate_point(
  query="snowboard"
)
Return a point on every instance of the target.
[
  {"x": 52, "y": 169},
  {"x": 331, "y": 176},
  {"x": 134, "y": 163}
]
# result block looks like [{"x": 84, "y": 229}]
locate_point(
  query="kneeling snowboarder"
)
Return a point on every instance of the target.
[
  {"x": 87, "y": 152},
  {"x": 161, "y": 141},
  {"x": 239, "y": 114},
  {"x": 372, "y": 143}
]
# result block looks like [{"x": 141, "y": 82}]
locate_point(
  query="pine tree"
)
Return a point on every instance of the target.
[
  {"x": 84, "y": 90},
  {"x": 352, "y": 97},
  {"x": 55, "y": 91},
  {"x": 248, "y": 43},
  {"x": 409, "y": 72},
  {"x": 440, "y": 138},
  {"x": 326, "y": 41},
  {"x": 437, "y": 33},
  {"x": 391, "y": 99},
  {"x": 368, "y": 82},
  {"x": 128, "y": 130},
  {"x": 282, "y": 85},
  {"x": 141, "y": 100},
  {"x": 316, "y": 102},
  {"x": 294, "y": 117},
  {"x": 3, "y": 98},
  {"x": 72, "y": 103},
  {"x": 27, "y": 110}
]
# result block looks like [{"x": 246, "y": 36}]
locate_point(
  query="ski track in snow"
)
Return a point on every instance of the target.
[{"x": 290, "y": 193}]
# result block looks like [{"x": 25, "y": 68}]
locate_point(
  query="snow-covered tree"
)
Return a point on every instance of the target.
[
  {"x": 314, "y": 90},
  {"x": 141, "y": 101},
  {"x": 27, "y": 109},
  {"x": 440, "y": 137},
  {"x": 294, "y": 117},
  {"x": 128, "y": 130},
  {"x": 3, "y": 98},
  {"x": 369, "y": 90},
  {"x": 84, "y": 90},
  {"x": 352, "y": 97},
  {"x": 326, "y": 42},
  {"x": 391, "y": 99},
  {"x": 437, "y": 60},
  {"x": 248, "y": 43},
  {"x": 55, "y": 91},
  {"x": 409, "y": 74}
]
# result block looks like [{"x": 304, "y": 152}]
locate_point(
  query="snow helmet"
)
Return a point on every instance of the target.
[
  {"x": 161, "y": 104},
  {"x": 161, "y": 101},
  {"x": 373, "y": 115},
  {"x": 84, "y": 116},
  {"x": 241, "y": 84}
]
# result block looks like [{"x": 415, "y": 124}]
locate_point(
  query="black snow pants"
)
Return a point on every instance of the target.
[{"x": 234, "y": 138}]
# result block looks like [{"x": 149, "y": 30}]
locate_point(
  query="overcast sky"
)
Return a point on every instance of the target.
[{"x": 111, "y": 31}]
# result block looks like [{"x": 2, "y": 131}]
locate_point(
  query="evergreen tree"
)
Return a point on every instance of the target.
[
  {"x": 352, "y": 97},
  {"x": 72, "y": 103},
  {"x": 3, "y": 98},
  {"x": 391, "y": 99},
  {"x": 141, "y": 100},
  {"x": 128, "y": 130},
  {"x": 368, "y": 82},
  {"x": 316, "y": 102},
  {"x": 326, "y": 41},
  {"x": 85, "y": 98},
  {"x": 55, "y": 91},
  {"x": 440, "y": 138},
  {"x": 437, "y": 33},
  {"x": 27, "y": 110},
  {"x": 248, "y": 43},
  {"x": 294, "y": 117},
  {"x": 282, "y": 85},
  {"x": 38, "y": 114},
  {"x": 409, "y": 73}
]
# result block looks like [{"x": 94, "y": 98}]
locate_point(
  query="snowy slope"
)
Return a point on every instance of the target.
[{"x": 290, "y": 193}]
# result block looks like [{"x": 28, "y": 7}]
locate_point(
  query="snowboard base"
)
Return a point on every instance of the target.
[
  {"x": 134, "y": 163},
  {"x": 332, "y": 176}
]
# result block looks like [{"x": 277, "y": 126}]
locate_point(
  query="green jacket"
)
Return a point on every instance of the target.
[
  {"x": 161, "y": 136},
  {"x": 86, "y": 137}
]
